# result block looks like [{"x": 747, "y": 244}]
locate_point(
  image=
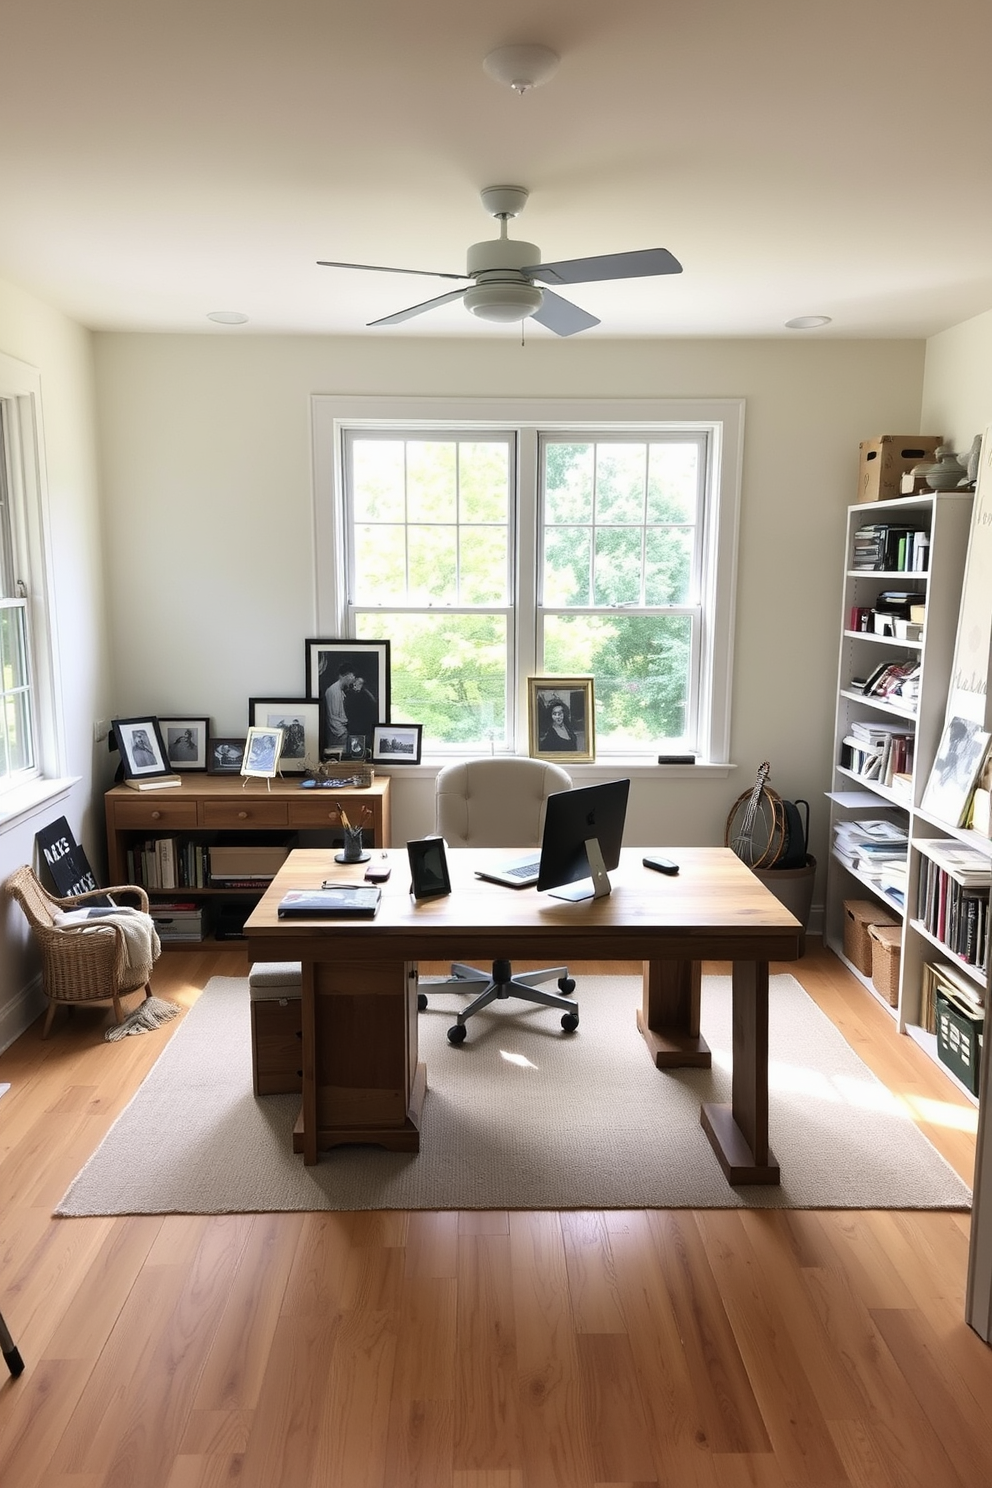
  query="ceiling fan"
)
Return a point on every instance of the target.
[{"x": 502, "y": 271}]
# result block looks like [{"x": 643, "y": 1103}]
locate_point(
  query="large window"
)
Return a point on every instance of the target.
[
  {"x": 17, "y": 747},
  {"x": 491, "y": 550}
]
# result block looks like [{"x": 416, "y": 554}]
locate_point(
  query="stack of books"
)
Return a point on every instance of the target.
[
  {"x": 881, "y": 546},
  {"x": 953, "y": 896},
  {"x": 871, "y": 846},
  {"x": 954, "y": 986},
  {"x": 878, "y": 751}
]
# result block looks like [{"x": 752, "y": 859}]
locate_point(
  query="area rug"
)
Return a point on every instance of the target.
[{"x": 521, "y": 1116}]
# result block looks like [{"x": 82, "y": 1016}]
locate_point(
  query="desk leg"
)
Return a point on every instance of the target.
[
  {"x": 738, "y": 1133},
  {"x": 669, "y": 1016}
]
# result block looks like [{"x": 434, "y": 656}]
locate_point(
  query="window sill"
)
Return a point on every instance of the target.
[
  {"x": 24, "y": 800},
  {"x": 609, "y": 768}
]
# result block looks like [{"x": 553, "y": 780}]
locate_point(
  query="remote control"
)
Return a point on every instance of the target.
[{"x": 661, "y": 865}]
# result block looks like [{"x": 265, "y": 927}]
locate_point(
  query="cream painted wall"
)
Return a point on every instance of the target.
[
  {"x": 61, "y": 351},
  {"x": 957, "y": 382},
  {"x": 205, "y": 457}
]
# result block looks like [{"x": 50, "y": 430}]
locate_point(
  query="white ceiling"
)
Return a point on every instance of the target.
[{"x": 160, "y": 161}]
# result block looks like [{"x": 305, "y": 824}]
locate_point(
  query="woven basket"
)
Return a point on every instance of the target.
[{"x": 859, "y": 914}]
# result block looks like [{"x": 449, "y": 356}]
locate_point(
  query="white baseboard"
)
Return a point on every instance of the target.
[{"x": 17, "y": 1015}]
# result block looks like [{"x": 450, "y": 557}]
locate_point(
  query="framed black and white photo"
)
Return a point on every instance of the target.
[
  {"x": 142, "y": 747},
  {"x": 299, "y": 720},
  {"x": 350, "y": 681},
  {"x": 396, "y": 743},
  {"x": 224, "y": 756},
  {"x": 185, "y": 742},
  {"x": 263, "y": 747},
  {"x": 428, "y": 868},
  {"x": 561, "y": 718}
]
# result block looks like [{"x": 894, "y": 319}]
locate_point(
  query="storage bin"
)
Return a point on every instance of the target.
[
  {"x": 885, "y": 460},
  {"x": 886, "y": 954},
  {"x": 275, "y": 990},
  {"x": 959, "y": 1042},
  {"x": 858, "y": 915}
]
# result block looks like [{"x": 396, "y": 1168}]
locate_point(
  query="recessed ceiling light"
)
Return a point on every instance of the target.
[
  {"x": 227, "y": 317},
  {"x": 807, "y": 322}
]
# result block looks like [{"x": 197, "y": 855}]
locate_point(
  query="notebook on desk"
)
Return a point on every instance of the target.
[
  {"x": 515, "y": 873},
  {"x": 349, "y": 901}
]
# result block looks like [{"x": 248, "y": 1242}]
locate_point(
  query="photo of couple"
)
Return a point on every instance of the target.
[{"x": 349, "y": 702}]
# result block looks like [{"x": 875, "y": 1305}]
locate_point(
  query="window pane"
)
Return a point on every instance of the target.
[
  {"x": 17, "y": 721},
  {"x": 379, "y": 480},
  {"x": 380, "y": 563},
  {"x": 673, "y": 482},
  {"x": 641, "y": 665},
  {"x": 431, "y": 481},
  {"x": 484, "y": 480},
  {"x": 566, "y": 566},
  {"x": 448, "y": 673},
  {"x": 668, "y": 568},
  {"x": 620, "y": 477},
  {"x": 483, "y": 565},
  {"x": 433, "y": 564},
  {"x": 13, "y": 650},
  {"x": 567, "y": 482},
  {"x": 618, "y": 566}
]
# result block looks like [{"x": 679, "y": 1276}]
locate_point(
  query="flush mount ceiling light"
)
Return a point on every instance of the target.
[
  {"x": 807, "y": 322},
  {"x": 521, "y": 67},
  {"x": 227, "y": 317}
]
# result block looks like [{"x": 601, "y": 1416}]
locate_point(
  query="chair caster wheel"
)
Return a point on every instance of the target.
[
  {"x": 458, "y": 1034},
  {"x": 421, "y": 1001},
  {"x": 566, "y": 985},
  {"x": 570, "y": 1021}
]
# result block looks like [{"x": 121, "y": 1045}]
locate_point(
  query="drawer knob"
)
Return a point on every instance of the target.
[
  {"x": 242, "y": 816},
  {"x": 156, "y": 815}
]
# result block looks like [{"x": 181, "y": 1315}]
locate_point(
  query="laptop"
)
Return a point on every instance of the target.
[{"x": 515, "y": 873}]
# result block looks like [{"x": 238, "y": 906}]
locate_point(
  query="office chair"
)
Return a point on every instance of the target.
[{"x": 500, "y": 803}]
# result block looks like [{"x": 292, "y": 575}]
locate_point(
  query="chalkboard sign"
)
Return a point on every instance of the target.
[{"x": 66, "y": 861}]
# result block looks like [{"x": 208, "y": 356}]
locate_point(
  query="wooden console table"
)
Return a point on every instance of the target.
[{"x": 204, "y": 806}]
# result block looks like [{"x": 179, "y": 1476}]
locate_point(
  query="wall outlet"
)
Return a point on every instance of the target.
[{"x": 100, "y": 730}]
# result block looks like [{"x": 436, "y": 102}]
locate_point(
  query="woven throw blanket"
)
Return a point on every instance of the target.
[{"x": 140, "y": 936}]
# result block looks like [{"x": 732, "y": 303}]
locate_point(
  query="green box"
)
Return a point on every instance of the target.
[{"x": 959, "y": 1042}]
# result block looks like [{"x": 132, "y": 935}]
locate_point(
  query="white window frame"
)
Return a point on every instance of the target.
[
  {"x": 721, "y": 418},
  {"x": 27, "y": 494}
]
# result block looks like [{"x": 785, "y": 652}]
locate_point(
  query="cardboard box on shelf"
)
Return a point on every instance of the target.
[{"x": 885, "y": 460}]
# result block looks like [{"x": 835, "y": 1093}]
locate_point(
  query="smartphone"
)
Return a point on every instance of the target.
[
  {"x": 377, "y": 872},
  {"x": 661, "y": 865}
]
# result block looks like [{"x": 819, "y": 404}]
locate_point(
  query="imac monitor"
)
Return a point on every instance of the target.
[{"x": 583, "y": 833}]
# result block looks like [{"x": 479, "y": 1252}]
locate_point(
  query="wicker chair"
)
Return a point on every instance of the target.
[{"x": 77, "y": 967}]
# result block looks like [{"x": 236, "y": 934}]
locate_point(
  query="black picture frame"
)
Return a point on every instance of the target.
[
  {"x": 66, "y": 862},
  {"x": 142, "y": 748},
  {"x": 185, "y": 742},
  {"x": 224, "y": 755},
  {"x": 327, "y": 663},
  {"x": 429, "y": 876},
  {"x": 397, "y": 743},
  {"x": 299, "y": 719}
]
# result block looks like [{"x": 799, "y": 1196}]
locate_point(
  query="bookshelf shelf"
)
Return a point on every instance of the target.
[{"x": 946, "y": 519}]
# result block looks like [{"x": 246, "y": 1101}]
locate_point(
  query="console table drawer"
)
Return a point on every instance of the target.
[
  {"x": 247, "y": 813},
  {"x": 320, "y": 809},
  {"x": 142, "y": 813}
]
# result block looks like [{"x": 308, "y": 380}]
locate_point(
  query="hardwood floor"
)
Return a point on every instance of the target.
[{"x": 710, "y": 1349}]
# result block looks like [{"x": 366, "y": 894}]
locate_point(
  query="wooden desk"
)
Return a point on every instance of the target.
[{"x": 362, "y": 1078}]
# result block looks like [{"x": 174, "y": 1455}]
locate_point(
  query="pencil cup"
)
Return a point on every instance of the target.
[{"x": 353, "y": 852}]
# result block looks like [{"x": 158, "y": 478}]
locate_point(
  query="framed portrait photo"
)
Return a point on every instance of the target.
[
  {"x": 224, "y": 756},
  {"x": 185, "y": 742},
  {"x": 428, "y": 868},
  {"x": 141, "y": 746},
  {"x": 350, "y": 682},
  {"x": 561, "y": 718},
  {"x": 299, "y": 720},
  {"x": 263, "y": 747},
  {"x": 396, "y": 743}
]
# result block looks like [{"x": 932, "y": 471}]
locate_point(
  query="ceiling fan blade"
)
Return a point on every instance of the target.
[
  {"x": 637, "y": 265},
  {"x": 401, "y": 315},
  {"x": 562, "y": 317},
  {"x": 330, "y": 263}
]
